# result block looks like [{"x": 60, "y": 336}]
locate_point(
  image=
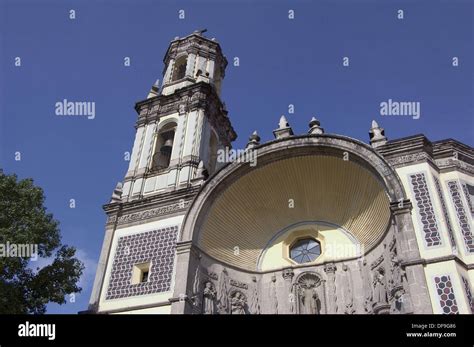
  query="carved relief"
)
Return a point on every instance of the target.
[
  {"x": 330, "y": 270},
  {"x": 239, "y": 284},
  {"x": 273, "y": 296},
  {"x": 238, "y": 302},
  {"x": 209, "y": 299},
  {"x": 348, "y": 291},
  {"x": 309, "y": 294},
  {"x": 222, "y": 293},
  {"x": 254, "y": 305},
  {"x": 367, "y": 288},
  {"x": 155, "y": 212},
  {"x": 380, "y": 288}
]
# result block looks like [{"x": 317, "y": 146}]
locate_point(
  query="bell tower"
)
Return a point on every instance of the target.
[
  {"x": 182, "y": 124},
  {"x": 180, "y": 128}
]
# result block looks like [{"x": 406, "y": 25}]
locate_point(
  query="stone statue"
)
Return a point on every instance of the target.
[
  {"x": 380, "y": 291},
  {"x": 254, "y": 302},
  {"x": 209, "y": 297},
  {"x": 347, "y": 290},
  {"x": 309, "y": 300},
  {"x": 238, "y": 303},
  {"x": 366, "y": 286}
]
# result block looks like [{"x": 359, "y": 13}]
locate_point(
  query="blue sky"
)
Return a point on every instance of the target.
[{"x": 282, "y": 62}]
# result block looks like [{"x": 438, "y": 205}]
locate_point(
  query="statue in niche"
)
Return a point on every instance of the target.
[
  {"x": 380, "y": 291},
  {"x": 238, "y": 303},
  {"x": 309, "y": 300},
  {"x": 308, "y": 290},
  {"x": 209, "y": 297}
]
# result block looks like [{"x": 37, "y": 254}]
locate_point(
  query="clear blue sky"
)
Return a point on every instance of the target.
[{"x": 282, "y": 62}]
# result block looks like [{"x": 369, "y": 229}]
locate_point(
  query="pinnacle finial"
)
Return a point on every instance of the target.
[
  {"x": 117, "y": 194},
  {"x": 284, "y": 129},
  {"x": 314, "y": 127},
  {"x": 254, "y": 140},
  {"x": 377, "y": 135},
  {"x": 283, "y": 122}
]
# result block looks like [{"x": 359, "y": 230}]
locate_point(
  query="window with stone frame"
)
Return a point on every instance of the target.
[
  {"x": 305, "y": 250},
  {"x": 179, "y": 69},
  {"x": 163, "y": 147}
]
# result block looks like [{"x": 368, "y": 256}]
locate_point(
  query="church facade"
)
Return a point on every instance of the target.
[{"x": 310, "y": 223}]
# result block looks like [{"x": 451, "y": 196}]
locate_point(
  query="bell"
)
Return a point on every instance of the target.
[{"x": 167, "y": 146}]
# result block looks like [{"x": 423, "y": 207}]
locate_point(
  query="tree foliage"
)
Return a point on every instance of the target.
[{"x": 25, "y": 288}]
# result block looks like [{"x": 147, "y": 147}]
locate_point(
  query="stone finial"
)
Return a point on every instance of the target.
[
  {"x": 377, "y": 135},
  {"x": 201, "y": 171},
  {"x": 254, "y": 140},
  {"x": 155, "y": 90},
  {"x": 314, "y": 127},
  {"x": 284, "y": 129},
  {"x": 117, "y": 194}
]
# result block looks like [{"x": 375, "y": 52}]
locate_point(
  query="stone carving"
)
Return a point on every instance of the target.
[
  {"x": 380, "y": 289},
  {"x": 273, "y": 296},
  {"x": 182, "y": 108},
  {"x": 377, "y": 262},
  {"x": 222, "y": 293},
  {"x": 117, "y": 194},
  {"x": 288, "y": 277},
  {"x": 367, "y": 288},
  {"x": 397, "y": 273},
  {"x": 309, "y": 294},
  {"x": 239, "y": 284},
  {"x": 347, "y": 290},
  {"x": 254, "y": 302},
  {"x": 400, "y": 299},
  {"x": 155, "y": 212},
  {"x": 377, "y": 135},
  {"x": 238, "y": 303},
  {"x": 196, "y": 288},
  {"x": 409, "y": 158},
  {"x": 213, "y": 275},
  {"x": 330, "y": 270},
  {"x": 209, "y": 298}
]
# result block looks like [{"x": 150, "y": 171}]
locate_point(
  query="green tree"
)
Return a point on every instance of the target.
[{"x": 25, "y": 288}]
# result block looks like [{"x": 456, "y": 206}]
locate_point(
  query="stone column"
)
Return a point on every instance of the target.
[
  {"x": 330, "y": 270},
  {"x": 191, "y": 61},
  {"x": 418, "y": 294},
  {"x": 169, "y": 69},
  {"x": 186, "y": 257}
]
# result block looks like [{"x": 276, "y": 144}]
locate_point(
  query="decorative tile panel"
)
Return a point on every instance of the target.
[
  {"x": 425, "y": 210},
  {"x": 463, "y": 218},
  {"x": 467, "y": 290},
  {"x": 467, "y": 188},
  {"x": 447, "y": 300},
  {"x": 157, "y": 247},
  {"x": 445, "y": 212}
]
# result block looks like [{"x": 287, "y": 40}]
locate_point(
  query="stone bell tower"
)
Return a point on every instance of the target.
[
  {"x": 182, "y": 124},
  {"x": 180, "y": 128}
]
